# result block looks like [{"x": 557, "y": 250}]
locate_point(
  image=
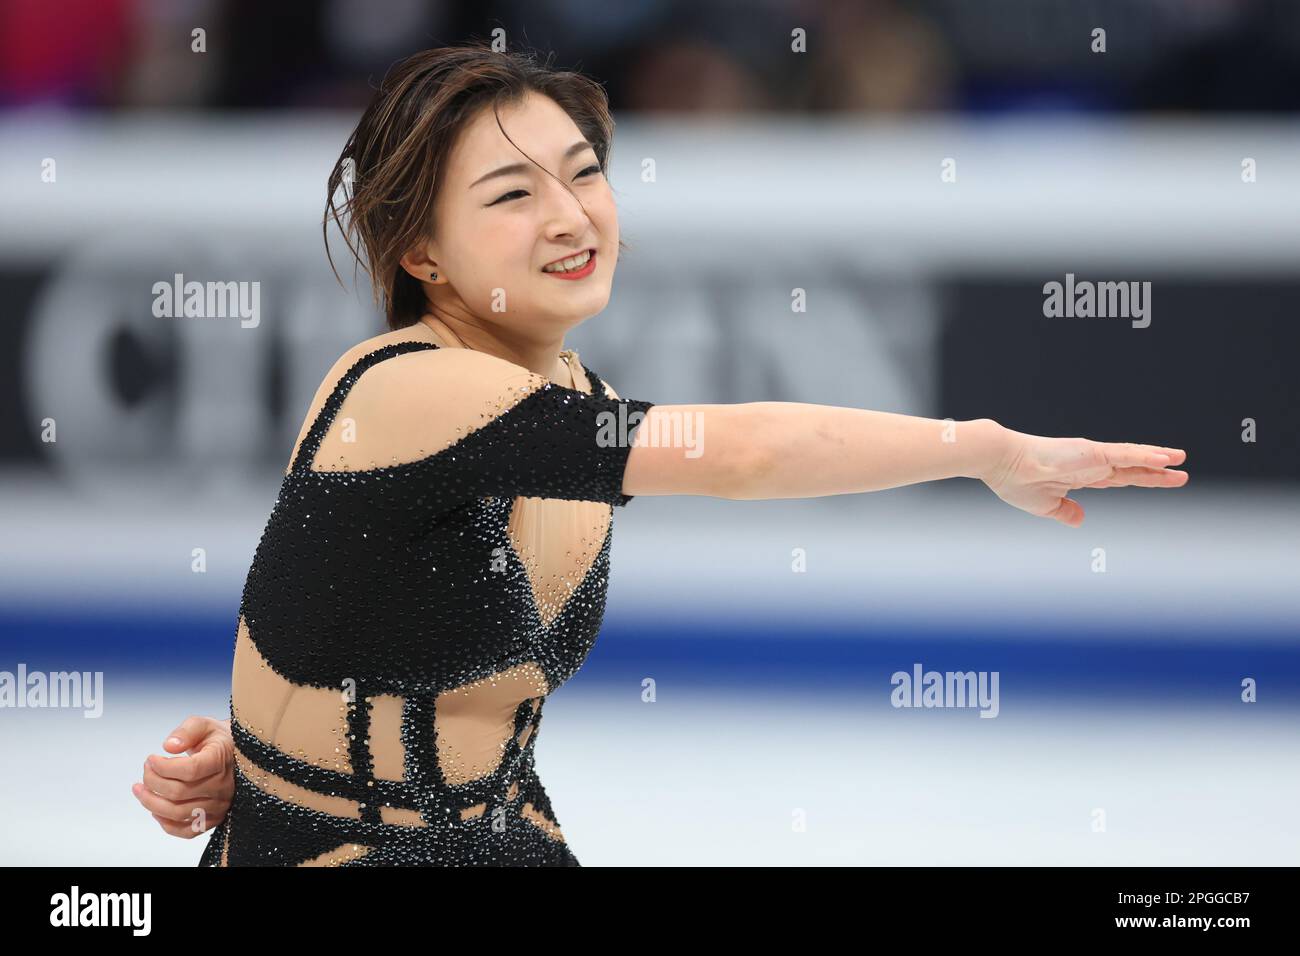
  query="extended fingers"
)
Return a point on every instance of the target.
[
  {"x": 1142, "y": 478},
  {"x": 1129, "y": 455}
]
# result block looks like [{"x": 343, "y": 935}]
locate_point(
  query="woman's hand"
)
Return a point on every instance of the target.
[
  {"x": 202, "y": 778},
  {"x": 1034, "y": 474}
]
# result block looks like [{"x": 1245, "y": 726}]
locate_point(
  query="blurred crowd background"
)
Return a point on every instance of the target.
[
  {"x": 1172, "y": 157},
  {"x": 873, "y": 56}
]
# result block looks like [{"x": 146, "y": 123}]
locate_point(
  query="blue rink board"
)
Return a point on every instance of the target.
[{"x": 801, "y": 656}]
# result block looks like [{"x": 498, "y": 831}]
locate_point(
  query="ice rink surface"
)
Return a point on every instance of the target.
[{"x": 1120, "y": 735}]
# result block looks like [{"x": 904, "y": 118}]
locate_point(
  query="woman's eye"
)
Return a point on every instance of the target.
[
  {"x": 507, "y": 196},
  {"x": 594, "y": 168}
]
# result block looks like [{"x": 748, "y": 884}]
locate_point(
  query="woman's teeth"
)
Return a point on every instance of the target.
[{"x": 570, "y": 264}]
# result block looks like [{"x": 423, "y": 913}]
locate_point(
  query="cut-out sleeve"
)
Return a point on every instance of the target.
[{"x": 483, "y": 426}]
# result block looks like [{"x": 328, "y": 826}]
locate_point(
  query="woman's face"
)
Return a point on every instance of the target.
[{"x": 495, "y": 229}]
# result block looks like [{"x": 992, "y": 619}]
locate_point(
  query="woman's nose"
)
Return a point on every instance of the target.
[{"x": 565, "y": 214}]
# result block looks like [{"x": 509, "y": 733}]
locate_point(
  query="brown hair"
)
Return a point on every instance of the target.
[{"x": 396, "y": 155}]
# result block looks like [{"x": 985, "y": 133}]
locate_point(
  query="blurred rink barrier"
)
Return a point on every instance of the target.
[{"x": 901, "y": 266}]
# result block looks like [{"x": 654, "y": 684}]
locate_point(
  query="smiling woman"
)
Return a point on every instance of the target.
[
  {"x": 437, "y": 559},
  {"x": 436, "y": 562},
  {"x": 485, "y": 170}
]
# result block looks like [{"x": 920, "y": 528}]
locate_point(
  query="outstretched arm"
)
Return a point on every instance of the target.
[{"x": 761, "y": 450}]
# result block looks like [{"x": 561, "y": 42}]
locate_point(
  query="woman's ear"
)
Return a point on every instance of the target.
[{"x": 419, "y": 266}]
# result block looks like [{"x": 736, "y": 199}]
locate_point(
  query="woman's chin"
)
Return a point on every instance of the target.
[{"x": 579, "y": 304}]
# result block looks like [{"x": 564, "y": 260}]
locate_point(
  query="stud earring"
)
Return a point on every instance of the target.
[{"x": 433, "y": 275}]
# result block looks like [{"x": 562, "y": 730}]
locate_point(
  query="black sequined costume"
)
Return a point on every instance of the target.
[{"x": 434, "y": 566}]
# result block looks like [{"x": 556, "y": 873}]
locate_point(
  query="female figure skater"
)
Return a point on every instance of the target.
[{"x": 436, "y": 562}]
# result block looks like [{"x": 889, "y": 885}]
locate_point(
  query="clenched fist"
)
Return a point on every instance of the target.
[{"x": 175, "y": 789}]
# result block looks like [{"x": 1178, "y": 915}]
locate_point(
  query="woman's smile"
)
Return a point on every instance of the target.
[{"x": 572, "y": 267}]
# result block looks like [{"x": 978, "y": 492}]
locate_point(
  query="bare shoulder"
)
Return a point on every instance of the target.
[
  {"x": 436, "y": 371},
  {"x": 374, "y": 344},
  {"x": 344, "y": 362},
  {"x": 431, "y": 369},
  {"x": 428, "y": 393}
]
